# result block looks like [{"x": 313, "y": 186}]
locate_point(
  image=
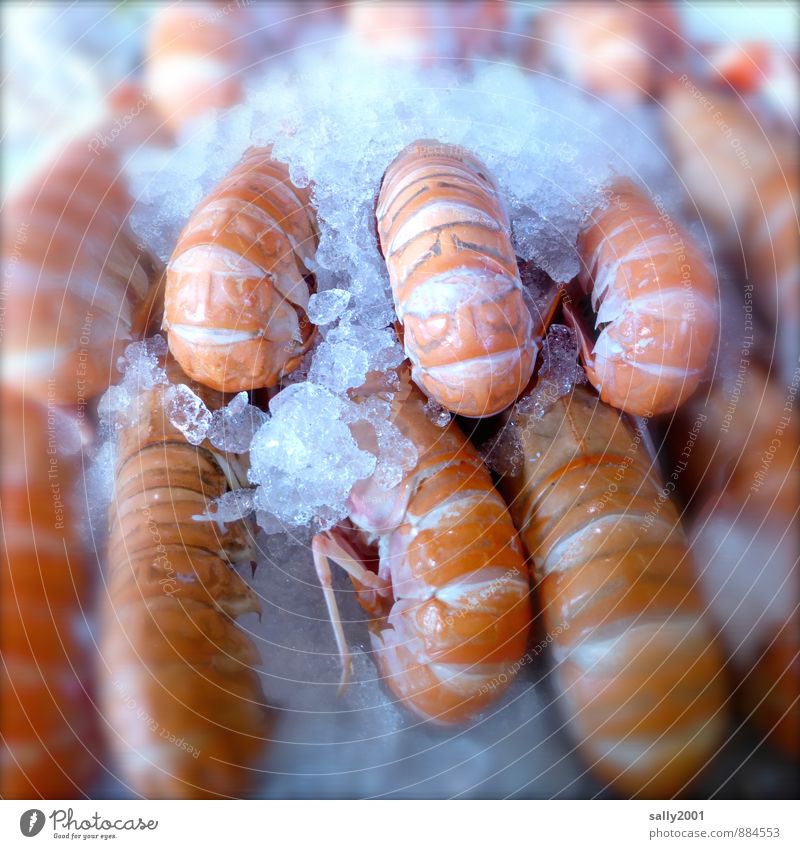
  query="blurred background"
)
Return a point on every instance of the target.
[{"x": 90, "y": 88}]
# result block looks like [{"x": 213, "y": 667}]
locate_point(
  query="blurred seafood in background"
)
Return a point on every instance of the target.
[
  {"x": 183, "y": 703},
  {"x": 49, "y": 723},
  {"x": 677, "y": 599},
  {"x": 615, "y": 50},
  {"x": 199, "y": 56},
  {"x": 644, "y": 694},
  {"x": 79, "y": 283},
  {"x": 429, "y": 33},
  {"x": 196, "y": 55}
]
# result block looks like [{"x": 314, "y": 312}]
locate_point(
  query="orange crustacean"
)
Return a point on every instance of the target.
[
  {"x": 185, "y": 708},
  {"x": 613, "y": 50},
  {"x": 80, "y": 283},
  {"x": 446, "y": 237},
  {"x": 238, "y": 282},
  {"x": 655, "y": 301},
  {"x": 637, "y": 669},
  {"x": 48, "y": 724},
  {"x": 438, "y": 565}
]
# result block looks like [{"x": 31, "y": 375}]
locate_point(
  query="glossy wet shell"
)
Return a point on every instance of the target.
[
  {"x": 638, "y": 672},
  {"x": 237, "y": 283},
  {"x": 445, "y": 235},
  {"x": 184, "y": 703},
  {"x": 656, "y": 305},
  {"x": 457, "y": 625}
]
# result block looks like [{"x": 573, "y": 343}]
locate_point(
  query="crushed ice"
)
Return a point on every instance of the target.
[
  {"x": 437, "y": 413},
  {"x": 233, "y": 426},
  {"x": 558, "y": 373},
  {"x": 305, "y": 459},
  {"x": 551, "y": 151},
  {"x": 325, "y": 307},
  {"x": 229, "y": 507},
  {"x": 187, "y": 412}
]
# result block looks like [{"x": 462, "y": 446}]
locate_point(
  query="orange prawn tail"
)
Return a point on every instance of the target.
[
  {"x": 48, "y": 724},
  {"x": 656, "y": 305},
  {"x": 640, "y": 676},
  {"x": 238, "y": 282},
  {"x": 185, "y": 707},
  {"x": 454, "y": 636},
  {"x": 445, "y": 234}
]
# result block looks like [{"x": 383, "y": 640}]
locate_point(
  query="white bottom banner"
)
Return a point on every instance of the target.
[{"x": 389, "y": 824}]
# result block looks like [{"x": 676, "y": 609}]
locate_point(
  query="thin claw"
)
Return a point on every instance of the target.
[
  {"x": 347, "y": 673},
  {"x": 253, "y": 567},
  {"x": 325, "y": 579}
]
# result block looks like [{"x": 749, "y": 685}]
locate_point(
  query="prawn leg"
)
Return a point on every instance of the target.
[{"x": 333, "y": 545}]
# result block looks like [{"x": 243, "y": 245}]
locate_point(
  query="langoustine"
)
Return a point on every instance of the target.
[
  {"x": 444, "y": 579},
  {"x": 48, "y": 721},
  {"x": 185, "y": 707},
  {"x": 80, "y": 284},
  {"x": 637, "y": 670},
  {"x": 723, "y": 149},
  {"x": 656, "y": 304},
  {"x": 238, "y": 282},
  {"x": 446, "y": 237}
]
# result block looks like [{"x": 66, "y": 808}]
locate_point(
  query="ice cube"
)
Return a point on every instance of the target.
[
  {"x": 304, "y": 459},
  {"x": 141, "y": 366},
  {"x": 437, "y": 414},
  {"x": 503, "y": 453},
  {"x": 187, "y": 412},
  {"x": 339, "y": 367},
  {"x": 558, "y": 373},
  {"x": 325, "y": 307},
  {"x": 113, "y": 404},
  {"x": 232, "y": 427},
  {"x": 229, "y": 507}
]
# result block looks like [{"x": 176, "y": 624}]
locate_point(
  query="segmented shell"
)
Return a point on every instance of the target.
[
  {"x": 184, "y": 703},
  {"x": 446, "y": 238},
  {"x": 637, "y": 670},
  {"x": 451, "y": 638},
  {"x": 238, "y": 281},
  {"x": 656, "y": 305},
  {"x": 48, "y": 724}
]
